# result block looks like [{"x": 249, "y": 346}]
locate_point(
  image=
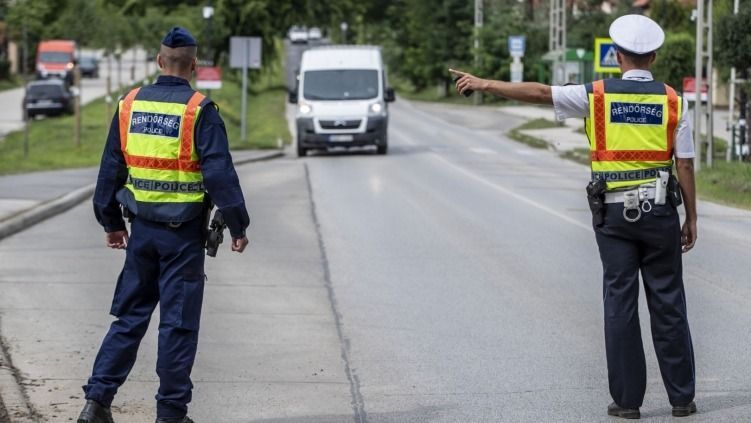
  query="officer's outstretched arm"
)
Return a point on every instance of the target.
[{"x": 528, "y": 92}]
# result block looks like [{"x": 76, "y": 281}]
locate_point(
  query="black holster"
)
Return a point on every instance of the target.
[
  {"x": 596, "y": 199},
  {"x": 675, "y": 198}
]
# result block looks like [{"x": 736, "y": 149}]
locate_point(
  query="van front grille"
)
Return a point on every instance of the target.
[{"x": 340, "y": 124}]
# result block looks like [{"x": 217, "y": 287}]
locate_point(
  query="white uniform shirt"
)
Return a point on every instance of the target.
[{"x": 572, "y": 101}]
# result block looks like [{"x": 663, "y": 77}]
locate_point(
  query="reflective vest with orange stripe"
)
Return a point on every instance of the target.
[
  {"x": 631, "y": 130},
  {"x": 157, "y": 138}
]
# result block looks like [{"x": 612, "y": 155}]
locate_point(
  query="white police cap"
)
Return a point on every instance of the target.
[{"x": 636, "y": 34}]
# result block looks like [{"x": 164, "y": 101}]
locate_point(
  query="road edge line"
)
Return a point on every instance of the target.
[{"x": 12, "y": 395}]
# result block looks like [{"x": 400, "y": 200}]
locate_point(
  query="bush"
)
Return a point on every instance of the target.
[
  {"x": 675, "y": 60},
  {"x": 734, "y": 39}
]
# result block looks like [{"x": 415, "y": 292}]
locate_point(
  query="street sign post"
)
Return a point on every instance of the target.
[
  {"x": 605, "y": 57},
  {"x": 244, "y": 53},
  {"x": 208, "y": 77},
  {"x": 516, "y": 46}
]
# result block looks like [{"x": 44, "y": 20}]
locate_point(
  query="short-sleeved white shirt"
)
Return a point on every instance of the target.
[{"x": 572, "y": 101}]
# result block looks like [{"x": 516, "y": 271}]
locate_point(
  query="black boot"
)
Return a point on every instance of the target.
[
  {"x": 684, "y": 410},
  {"x": 185, "y": 419},
  {"x": 625, "y": 413},
  {"x": 93, "y": 412}
]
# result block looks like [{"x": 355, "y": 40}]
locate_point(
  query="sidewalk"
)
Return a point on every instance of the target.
[
  {"x": 569, "y": 136},
  {"x": 29, "y": 198}
]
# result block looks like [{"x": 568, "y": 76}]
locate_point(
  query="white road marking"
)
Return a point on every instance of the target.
[{"x": 480, "y": 150}]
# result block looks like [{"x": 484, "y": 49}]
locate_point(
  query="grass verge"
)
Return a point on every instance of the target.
[
  {"x": 517, "y": 134},
  {"x": 726, "y": 183},
  {"x": 52, "y": 146},
  {"x": 8, "y": 84}
]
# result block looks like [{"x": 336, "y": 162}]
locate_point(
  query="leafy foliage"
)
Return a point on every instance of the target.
[
  {"x": 675, "y": 60},
  {"x": 734, "y": 38}
]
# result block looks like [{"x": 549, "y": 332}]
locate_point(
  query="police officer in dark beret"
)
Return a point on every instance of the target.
[{"x": 166, "y": 152}]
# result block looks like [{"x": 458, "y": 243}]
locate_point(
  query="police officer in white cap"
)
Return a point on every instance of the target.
[{"x": 637, "y": 130}]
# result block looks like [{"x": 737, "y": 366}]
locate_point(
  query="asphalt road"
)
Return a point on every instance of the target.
[
  {"x": 92, "y": 88},
  {"x": 454, "y": 280}
]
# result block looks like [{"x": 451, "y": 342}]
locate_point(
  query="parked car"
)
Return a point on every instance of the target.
[
  {"x": 315, "y": 34},
  {"x": 48, "y": 97},
  {"x": 342, "y": 99},
  {"x": 89, "y": 66},
  {"x": 298, "y": 34}
]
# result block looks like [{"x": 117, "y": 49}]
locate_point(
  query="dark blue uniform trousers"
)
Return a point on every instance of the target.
[
  {"x": 162, "y": 266},
  {"x": 651, "y": 246}
]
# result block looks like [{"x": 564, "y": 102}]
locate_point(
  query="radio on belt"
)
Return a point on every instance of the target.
[{"x": 661, "y": 189}]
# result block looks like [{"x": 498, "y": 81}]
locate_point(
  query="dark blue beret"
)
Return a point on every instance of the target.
[{"x": 178, "y": 37}]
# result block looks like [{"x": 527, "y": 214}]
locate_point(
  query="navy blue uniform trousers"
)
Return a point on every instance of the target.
[
  {"x": 163, "y": 266},
  {"x": 651, "y": 246}
]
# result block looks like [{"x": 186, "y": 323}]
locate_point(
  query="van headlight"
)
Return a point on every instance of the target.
[
  {"x": 376, "y": 108},
  {"x": 305, "y": 109}
]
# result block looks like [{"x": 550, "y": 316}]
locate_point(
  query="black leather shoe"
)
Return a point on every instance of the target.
[
  {"x": 684, "y": 410},
  {"x": 625, "y": 413},
  {"x": 93, "y": 412},
  {"x": 185, "y": 419}
]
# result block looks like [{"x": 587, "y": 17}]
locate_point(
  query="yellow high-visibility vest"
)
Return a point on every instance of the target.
[
  {"x": 631, "y": 130},
  {"x": 158, "y": 143}
]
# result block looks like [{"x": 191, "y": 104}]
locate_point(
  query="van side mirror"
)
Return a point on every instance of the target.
[
  {"x": 389, "y": 96},
  {"x": 292, "y": 98}
]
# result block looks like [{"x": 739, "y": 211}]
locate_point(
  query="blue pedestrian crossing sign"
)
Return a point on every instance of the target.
[{"x": 605, "y": 57}]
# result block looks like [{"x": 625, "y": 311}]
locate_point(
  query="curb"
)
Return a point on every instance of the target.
[{"x": 30, "y": 217}]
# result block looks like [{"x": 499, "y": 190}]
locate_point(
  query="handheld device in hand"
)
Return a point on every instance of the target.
[{"x": 466, "y": 93}]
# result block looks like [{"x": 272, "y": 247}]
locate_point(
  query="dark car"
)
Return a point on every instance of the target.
[
  {"x": 89, "y": 66},
  {"x": 48, "y": 97}
]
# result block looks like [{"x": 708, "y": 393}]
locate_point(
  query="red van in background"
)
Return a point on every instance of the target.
[{"x": 55, "y": 58}]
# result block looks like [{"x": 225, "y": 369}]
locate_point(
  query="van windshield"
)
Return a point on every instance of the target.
[
  {"x": 54, "y": 57},
  {"x": 343, "y": 84}
]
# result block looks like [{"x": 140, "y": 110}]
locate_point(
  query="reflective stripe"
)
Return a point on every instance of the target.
[
  {"x": 165, "y": 186},
  {"x": 631, "y": 156},
  {"x": 598, "y": 94},
  {"x": 125, "y": 112},
  {"x": 157, "y": 163},
  {"x": 189, "y": 120},
  {"x": 628, "y": 175},
  {"x": 672, "y": 115}
]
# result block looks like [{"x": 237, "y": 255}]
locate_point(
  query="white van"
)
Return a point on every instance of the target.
[{"x": 342, "y": 98}]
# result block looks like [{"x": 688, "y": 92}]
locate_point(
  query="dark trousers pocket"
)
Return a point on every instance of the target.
[{"x": 191, "y": 301}]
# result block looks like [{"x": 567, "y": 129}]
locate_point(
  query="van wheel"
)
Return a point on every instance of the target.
[{"x": 382, "y": 149}]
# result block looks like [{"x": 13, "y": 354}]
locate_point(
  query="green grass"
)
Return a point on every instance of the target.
[
  {"x": 266, "y": 119},
  {"x": 13, "y": 82},
  {"x": 726, "y": 183},
  {"x": 517, "y": 135},
  {"x": 51, "y": 143},
  {"x": 578, "y": 155}
]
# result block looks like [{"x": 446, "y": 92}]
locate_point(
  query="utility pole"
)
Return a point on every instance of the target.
[
  {"x": 557, "y": 40},
  {"x": 25, "y": 88},
  {"x": 703, "y": 69},
  {"x": 731, "y": 100},
  {"x": 478, "y": 28}
]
